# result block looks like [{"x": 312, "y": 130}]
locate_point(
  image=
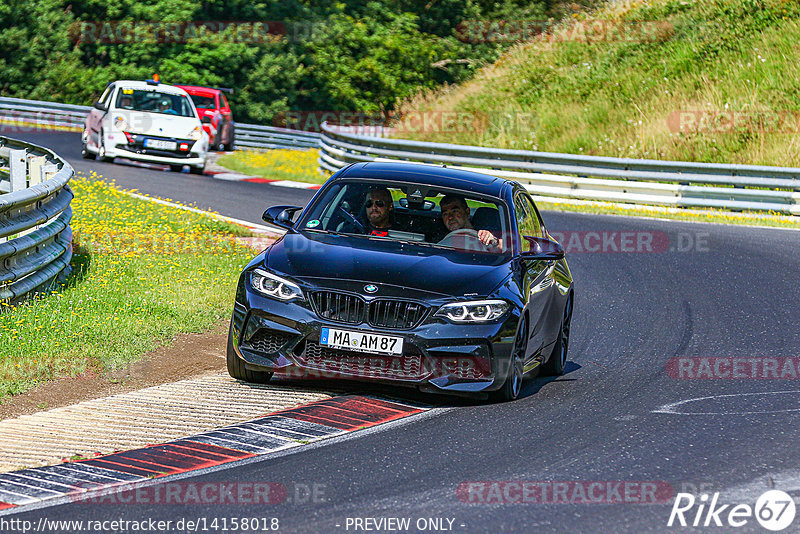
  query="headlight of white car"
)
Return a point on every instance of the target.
[
  {"x": 196, "y": 133},
  {"x": 474, "y": 311},
  {"x": 120, "y": 123},
  {"x": 274, "y": 286}
]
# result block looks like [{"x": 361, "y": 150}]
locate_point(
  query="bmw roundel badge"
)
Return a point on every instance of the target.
[{"x": 369, "y": 288}]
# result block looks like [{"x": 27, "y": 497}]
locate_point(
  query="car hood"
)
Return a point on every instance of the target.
[
  {"x": 377, "y": 261},
  {"x": 156, "y": 124}
]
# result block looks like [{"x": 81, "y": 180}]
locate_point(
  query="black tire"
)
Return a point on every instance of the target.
[
  {"x": 176, "y": 168},
  {"x": 513, "y": 384},
  {"x": 102, "y": 150},
  {"x": 196, "y": 170},
  {"x": 236, "y": 366},
  {"x": 230, "y": 146},
  {"x": 85, "y": 154},
  {"x": 558, "y": 359}
]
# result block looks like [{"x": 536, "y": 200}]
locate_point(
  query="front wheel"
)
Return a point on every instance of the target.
[
  {"x": 176, "y": 168},
  {"x": 558, "y": 359},
  {"x": 236, "y": 366},
  {"x": 85, "y": 154},
  {"x": 513, "y": 385},
  {"x": 230, "y": 145},
  {"x": 102, "y": 150},
  {"x": 197, "y": 170}
]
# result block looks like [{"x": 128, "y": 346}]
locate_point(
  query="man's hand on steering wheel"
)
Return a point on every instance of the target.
[{"x": 488, "y": 239}]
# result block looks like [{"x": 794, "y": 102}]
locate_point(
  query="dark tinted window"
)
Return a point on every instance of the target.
[
  {"x": 387, "y": 211},
  {"x": 204, "y": 102},
  {"x": 154, "y": 102},
  {"x": 527, "y": 220}
]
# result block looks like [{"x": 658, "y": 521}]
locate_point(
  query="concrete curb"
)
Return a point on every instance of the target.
[
  {"x": 123, "y": 472},
  {"x": 219, "y": 172}
]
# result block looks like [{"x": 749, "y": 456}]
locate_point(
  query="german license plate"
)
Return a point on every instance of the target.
[
  {"x": 158, "y": 143},
  {"x": 361, "y": 341}
]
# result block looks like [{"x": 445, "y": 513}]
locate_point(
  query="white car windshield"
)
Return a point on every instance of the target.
[{"x": 154, "y": 102}]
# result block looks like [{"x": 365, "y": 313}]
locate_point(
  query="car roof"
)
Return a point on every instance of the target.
[
  {"x": 198, "y": 90},
  {"x": 136, "y": 84},
  {"x": 434, "y": 175}
]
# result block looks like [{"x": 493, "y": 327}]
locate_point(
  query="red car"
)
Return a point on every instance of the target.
[{"x": 215, "y": 114}]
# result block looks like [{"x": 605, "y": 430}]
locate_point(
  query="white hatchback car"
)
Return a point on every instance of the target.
[{"x": 146, "y": 121}]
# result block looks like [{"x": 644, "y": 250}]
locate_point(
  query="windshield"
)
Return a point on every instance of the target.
[
  {"x": 154, "y": 102},
  {"x": 204, "y": 102},
  {"x": 412, "y": 213}
]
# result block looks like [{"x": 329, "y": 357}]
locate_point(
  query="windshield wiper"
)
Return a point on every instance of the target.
[{"x": 332, "y": 232}]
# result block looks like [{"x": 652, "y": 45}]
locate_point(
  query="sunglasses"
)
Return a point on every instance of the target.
[{"x": 379, "y": 203}]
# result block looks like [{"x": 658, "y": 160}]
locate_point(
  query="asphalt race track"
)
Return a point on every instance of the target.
[
  {"x": 617, "y": 416},
  {"x": 241, "y": 200}
]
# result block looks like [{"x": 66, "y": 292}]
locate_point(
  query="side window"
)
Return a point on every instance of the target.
[
  {"x": 105, "y": 99},
  {"x": 527, "y": 220},
  {"x": 223, "y": 100},
  {"x": 536, "y": 222}
]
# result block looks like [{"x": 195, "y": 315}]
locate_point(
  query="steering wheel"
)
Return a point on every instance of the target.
[
  {"x": 463, "y": 238},
  {"x": 352, "y": 218}
]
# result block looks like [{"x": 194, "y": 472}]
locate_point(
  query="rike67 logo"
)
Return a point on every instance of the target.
[{"x": 774, "y": 510}]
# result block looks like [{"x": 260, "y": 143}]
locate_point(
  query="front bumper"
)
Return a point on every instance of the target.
[
  {"x": 117, "y": 145},
  {"x": 438, "y": 356}
]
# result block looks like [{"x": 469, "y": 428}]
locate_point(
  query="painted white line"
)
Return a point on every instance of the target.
[
  {"x": 258, "y": 227},
  {"x": 296, "y": 185},
  {"x": 672, "y": 407},
  {"x": 231, "y": 176}
]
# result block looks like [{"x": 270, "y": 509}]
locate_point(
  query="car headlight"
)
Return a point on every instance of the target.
[
  {"x": 274, "y": 286},
  {"x": 120, "y": 123},
  {"x": 474, "y": 311},
  {"x": 196, "y": 133}
]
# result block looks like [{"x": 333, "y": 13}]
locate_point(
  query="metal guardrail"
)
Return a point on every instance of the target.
[
  {"x": 670, "y": 183},
  {"x": 35, "y": 212},
  {"x": 36, "y": 113},
  {"x": 551, "y": 175}
]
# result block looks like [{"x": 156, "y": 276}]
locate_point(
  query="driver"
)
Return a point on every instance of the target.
[
  {"x": 455, "y": 216},
  {"x": 379, "y": 210},
  {"x": 165, "y": 106}
]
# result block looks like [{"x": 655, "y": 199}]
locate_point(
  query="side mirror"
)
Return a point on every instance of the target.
[
  {"x": 281, "y": 216},
  {"x": 206, "y": 119},
  {"x": 101, "y": 107},
  {"x": 542, "y": 249}
]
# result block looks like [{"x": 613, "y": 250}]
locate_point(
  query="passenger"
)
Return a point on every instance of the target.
[
  {"x": 126, "y": 103},
  {"x": 455, "y": 216}
]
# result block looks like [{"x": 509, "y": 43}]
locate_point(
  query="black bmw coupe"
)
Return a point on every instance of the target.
[{"x": 440, "y": 279}]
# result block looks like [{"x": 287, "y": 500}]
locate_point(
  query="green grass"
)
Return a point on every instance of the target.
[
  {"x": 623, "y": 98},
  {"x": 143, "y": 273},
  {"x": 294, "y": 165}
]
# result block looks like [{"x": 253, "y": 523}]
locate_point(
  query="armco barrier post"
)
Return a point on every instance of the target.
[
  {"x": 35, "y": 165},
  {"x": 18, "y": 169}
]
